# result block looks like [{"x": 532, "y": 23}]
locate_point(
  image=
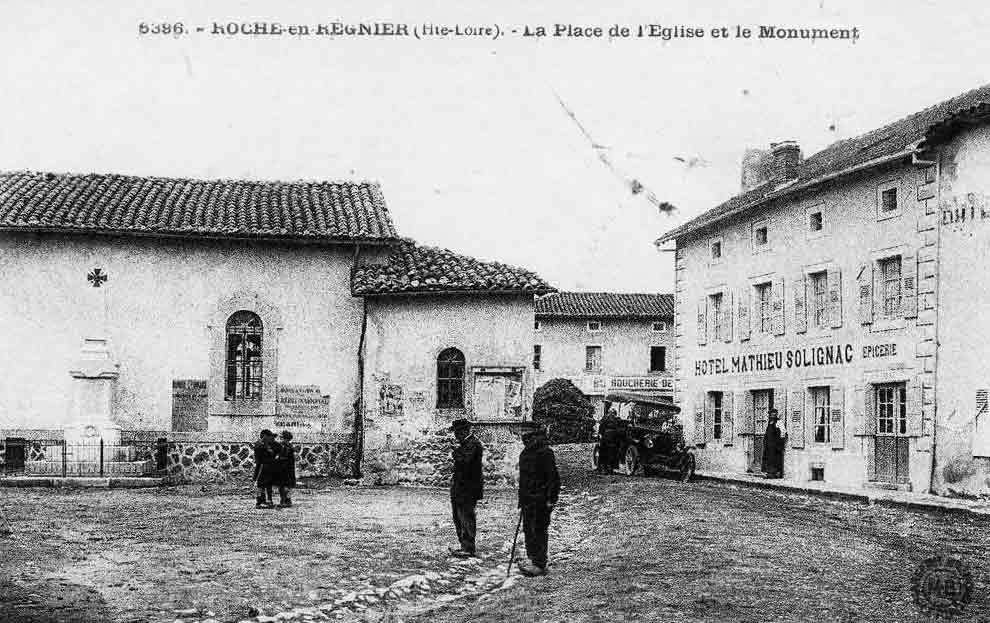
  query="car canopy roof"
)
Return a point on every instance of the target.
[{"x": 662, "y": 404}]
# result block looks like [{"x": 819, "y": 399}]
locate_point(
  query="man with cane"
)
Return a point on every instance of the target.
[{"x": 539, "y": 487}]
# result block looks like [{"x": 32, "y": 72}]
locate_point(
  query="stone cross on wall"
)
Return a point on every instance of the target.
[{"x": 97, "y": 277}]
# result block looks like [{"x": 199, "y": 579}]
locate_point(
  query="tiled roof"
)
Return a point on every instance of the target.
[
  {"x": 122, "y": 204},
  {"x": 888, "y": 141},
  {"x": 605, "y": 305},
  {"x": 414, "y": 269}
]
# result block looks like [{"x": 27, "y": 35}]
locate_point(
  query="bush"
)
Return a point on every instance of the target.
[{"x": 565, "y": 411}]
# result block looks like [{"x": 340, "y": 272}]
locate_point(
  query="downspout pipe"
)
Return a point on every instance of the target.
[{"x": 359, "y": 402}]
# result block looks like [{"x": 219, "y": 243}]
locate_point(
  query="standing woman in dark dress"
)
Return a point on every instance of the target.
[
  {"x": 773, "y": 447},
  {"x": 264, "y": 468},
  {"x": 285, "y": 470}
]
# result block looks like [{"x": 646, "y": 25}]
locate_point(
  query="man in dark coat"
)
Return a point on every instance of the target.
[
  {"x": 773, "y": 447},
  {"x": 608, "y": 442},
  {"x": 539, "y": 487},
  {"x": 265, "y": 450},
  {"x": 466, "y": 487},
  {"x": 285, "y": 470}
]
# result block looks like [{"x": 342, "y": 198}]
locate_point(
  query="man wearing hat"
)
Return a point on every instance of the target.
[
  {"x": 539, "y": 486},
  {"x": 773, "y": 446},
  {"x": 466, "y": 487}
]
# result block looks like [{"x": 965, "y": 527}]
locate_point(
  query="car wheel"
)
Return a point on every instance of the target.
[
  {"x": 687, "y": 469},
  {"x": 595, "y": 456},
  {"x": 630, "y": 461}
]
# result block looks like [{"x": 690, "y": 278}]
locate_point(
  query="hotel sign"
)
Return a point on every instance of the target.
[{"x": 819, "y": 356}]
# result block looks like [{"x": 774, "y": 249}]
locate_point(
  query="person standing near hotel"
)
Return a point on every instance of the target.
[
  {"x": 773, "y": 447},
  {"x": 466, "y": 487}
]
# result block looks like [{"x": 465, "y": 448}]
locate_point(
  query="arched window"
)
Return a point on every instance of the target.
[
  {"x": 450, "y": 379},
  {"x": 244, "y": 356}
]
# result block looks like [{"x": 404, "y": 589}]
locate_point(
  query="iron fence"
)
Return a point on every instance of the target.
[{"x": 93, "y": 458}]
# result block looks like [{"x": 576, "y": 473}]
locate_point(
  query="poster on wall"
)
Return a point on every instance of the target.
[{"x": 497, "y": 397}]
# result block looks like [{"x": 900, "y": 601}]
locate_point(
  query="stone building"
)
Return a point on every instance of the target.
[
  {"x": 605, "y": 342},
  {"x": 841, "y": 290},
  {"x": 212, "y": 309},
  {"x": 447, "y": 337}
]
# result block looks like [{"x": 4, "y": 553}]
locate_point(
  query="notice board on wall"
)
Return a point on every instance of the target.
[{"x": 498, "y": 395}]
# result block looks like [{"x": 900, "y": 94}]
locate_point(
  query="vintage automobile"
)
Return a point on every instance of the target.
[{"x": 651, "y": 438}]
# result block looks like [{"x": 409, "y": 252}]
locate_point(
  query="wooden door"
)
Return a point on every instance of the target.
[{"x": 891, "y": 444}]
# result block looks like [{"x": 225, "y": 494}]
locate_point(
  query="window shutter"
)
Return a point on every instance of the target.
[
  {"x": 796, "y": 425},
  {"x": 780, "y": 404},
  {"x": 702, "y": 321},
  {"x": 800, "y": 304},
  {"x": 727, "y": 316},
  {"x": 909, "y": 285},
  {"x": 727, "y": 417},
  {"x": 836, "y": 417},
  {"x": 744, "y": 308},
  {"x": 746, "y": 413},
  {"x": 865, "y": 283},
  {"x": 778, "y": 306},
  {"x": 834, "y": 282},
  {"x": 869, "y": 410},
  {"x": 699, "y": 418},
  {"x": 914, "y": 408},
  {"x": 709, "y": 418}
]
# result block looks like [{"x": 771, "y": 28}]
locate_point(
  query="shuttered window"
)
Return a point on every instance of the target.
[
  {"x": 717, "y": 419},
  {"x": 819, "y": 300},
  {"x": 764, "y": 307},
  {"x": 820, "y": 404},
  {"x": 593, "y": 359},
  {"x": 716, "y": 311},
  {"x": 890, "y": 286}
]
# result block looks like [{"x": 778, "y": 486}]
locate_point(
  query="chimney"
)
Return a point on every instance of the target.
[
  {"x": 755, "y": 169},
  {"x": 784, "y": 160}
]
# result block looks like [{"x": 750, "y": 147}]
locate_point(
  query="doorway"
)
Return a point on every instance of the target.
[
  {"x": 891, "y": 445},
  {"x": 15, "y": 453},
  {"x": 762, "y": 403}
]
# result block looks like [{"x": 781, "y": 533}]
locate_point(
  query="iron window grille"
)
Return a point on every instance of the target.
[
  {"x": 244, "y": 356},
  {"x": 537, "y": 354},
  {"x": 450, "y": 379}
]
